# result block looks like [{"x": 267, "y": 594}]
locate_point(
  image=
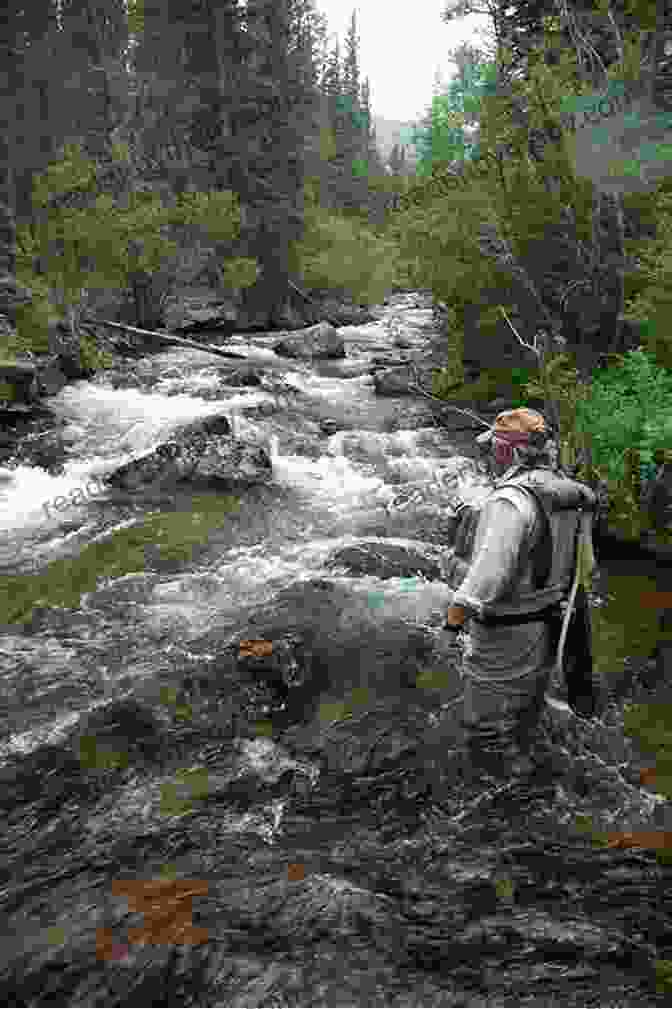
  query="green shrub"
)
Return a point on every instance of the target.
[
  {"x": 663, "y": 970},
  {"x": 340, "y": 252},
  {"x": 91, "y": 241},
  {"x": 90, "y": 356},
  {"x": 625, "y": 416},
  {"x": 629, "y": 407},
  {"x": 490, "y": 384}
]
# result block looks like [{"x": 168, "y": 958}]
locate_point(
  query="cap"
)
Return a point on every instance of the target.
[{"x": 519, "y": 421}]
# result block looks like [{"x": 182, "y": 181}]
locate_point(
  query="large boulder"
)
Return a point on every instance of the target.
[
  {"x": 205, "y": 310},
  {"x": 400, "y": 379},
  {"x": 245, "y": 375},
  {"x": 204, "y": 427},
  {"x": 385, "y": 560},
  {"x": 317, "y": 636},
  {"x": 321, "y": 341},
  {"x": 228, "y": 461},
  {"x": 394, "y": 381},
  {"x": 337, "y": 309},
  {"x": 51, "y": 377},
  {"x": 202, "y": 452}
]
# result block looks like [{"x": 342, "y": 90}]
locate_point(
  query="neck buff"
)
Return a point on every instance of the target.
[{"x": 504, "y": 442}]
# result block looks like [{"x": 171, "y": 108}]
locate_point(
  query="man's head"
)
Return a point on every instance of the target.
[{"x": 517, "y": 436}]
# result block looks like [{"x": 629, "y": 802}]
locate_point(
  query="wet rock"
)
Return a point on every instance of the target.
[
  {"x": 204, "y": 427},
  {"x": 50, "y": 376},
  {"x": 186, "y": 314},
  {"x": 266, "y": 408},
  {"x": 125, "y": 727},
  {"x": 373, "y": 742},
  {"x": 231, "y": 462},
  {"x": 321, "y": 341},
  {"x": 321, "y": 634},
  {"x": 244, "y": 376},
  {"x": 395, "y": 381},
  {"x": 381, "y": 361},
  {"x": 329, "y": 426},
  {"x": 200, "y": 451},
  {"x": 18, "y": 382},
  {"x": 384, "y": 560},
  {"x": 324, "y": 306}
]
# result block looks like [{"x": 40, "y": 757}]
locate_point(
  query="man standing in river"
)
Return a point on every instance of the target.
[{"x": 511, "y": 565}]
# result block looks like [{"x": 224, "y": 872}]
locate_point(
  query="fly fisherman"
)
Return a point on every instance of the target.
[{"x": 512, "y": 565}]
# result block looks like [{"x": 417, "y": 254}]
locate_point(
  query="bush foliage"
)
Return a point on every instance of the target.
[{"x": 340, "y": 252}]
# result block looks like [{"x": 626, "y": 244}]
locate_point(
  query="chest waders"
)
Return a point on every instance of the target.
[{"x": 568, "y": 619}]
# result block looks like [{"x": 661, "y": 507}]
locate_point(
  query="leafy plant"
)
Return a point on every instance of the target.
[
  {"x": 89, "y": 239},
  {"x": 663, "y": 970},
  {"x": 626, "y": 416},
  {"x": 341, "y": 253}
]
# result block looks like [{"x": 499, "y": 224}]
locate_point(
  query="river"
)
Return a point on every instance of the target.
[{"x": 329, "y": 862}]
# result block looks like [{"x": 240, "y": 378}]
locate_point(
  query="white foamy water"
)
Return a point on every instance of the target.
[
  {"x": 333, "y": 389},
  {"x": 106, "y": 429},
  {"x": 332, "y": 481},
  {"x": 251, "y": 575}
]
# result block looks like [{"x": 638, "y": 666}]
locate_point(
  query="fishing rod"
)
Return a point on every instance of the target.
[{"x": 448, "y": 406}]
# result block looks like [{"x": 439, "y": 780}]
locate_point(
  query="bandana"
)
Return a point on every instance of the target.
[{"x": 503, "y": 444}]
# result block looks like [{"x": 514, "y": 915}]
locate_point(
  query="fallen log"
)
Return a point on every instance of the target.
[{"x": 168, "y": 338}]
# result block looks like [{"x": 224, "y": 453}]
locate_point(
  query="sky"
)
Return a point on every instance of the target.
[{"x": 402, "y": 45}]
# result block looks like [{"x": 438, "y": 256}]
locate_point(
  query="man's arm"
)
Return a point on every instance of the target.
[{"x": 500, "y": 535}]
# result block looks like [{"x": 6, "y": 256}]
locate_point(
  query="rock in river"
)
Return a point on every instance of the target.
[
  {"x": 384, "y": 560},
  {"x": 201, "y": 451},
  {"x": 321, "y": 341}
]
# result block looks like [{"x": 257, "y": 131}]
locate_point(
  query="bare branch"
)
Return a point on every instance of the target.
[{"x": 528, "y": 346}]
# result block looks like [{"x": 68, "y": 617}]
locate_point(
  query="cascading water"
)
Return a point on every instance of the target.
[{"x": 315, "y": 600}]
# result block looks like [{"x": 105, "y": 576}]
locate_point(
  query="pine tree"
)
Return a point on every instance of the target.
[
  {"x": 369, "y": 147},
  {"x": 351, "y": 64},
  {"x": 274, "y": 183}
]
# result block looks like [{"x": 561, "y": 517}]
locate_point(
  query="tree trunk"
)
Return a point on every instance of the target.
[
  {"x": 608, "y": 240},
  {"x": 9, "y": 61}
]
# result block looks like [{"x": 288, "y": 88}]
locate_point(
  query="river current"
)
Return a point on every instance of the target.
[{"x": 322, "y": 881}]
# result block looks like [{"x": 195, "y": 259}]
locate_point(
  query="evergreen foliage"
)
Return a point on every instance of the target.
[
  {"x": 87, "y": 240},
  {"x": 340, "y": 252}
]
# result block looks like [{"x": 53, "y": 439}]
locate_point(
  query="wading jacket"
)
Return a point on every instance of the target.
[{"x": 514, "y": 555}]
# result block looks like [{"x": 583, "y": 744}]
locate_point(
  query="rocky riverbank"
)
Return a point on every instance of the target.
[{"x": 231, "y": 772}]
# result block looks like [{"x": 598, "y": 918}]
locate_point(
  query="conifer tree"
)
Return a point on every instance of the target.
[{"x": 351, "y": 63}]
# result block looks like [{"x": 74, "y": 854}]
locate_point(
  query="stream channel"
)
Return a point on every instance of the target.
[{"x": 298, "y": 785}]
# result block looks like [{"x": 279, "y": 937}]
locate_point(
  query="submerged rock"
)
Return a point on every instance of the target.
[
  {"x": 321, "y": 341},
  {"x": 384, "y": 560}
]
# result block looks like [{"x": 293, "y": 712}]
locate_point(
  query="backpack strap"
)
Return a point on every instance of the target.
[{"x": 541, "y": 553}]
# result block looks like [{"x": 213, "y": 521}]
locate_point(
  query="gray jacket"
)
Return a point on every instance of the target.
[{"x": 502, "y": 562}]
